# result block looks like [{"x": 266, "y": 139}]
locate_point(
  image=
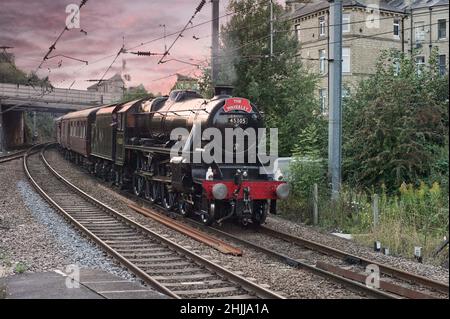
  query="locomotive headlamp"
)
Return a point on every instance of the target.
[
  {"x": 220, "y": 191},
  {"x": 283, "y": 191}
]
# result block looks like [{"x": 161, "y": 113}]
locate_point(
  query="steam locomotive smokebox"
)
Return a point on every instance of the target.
[{"x": 223, "y": 90}]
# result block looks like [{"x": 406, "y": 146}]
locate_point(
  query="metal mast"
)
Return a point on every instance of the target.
[
  {"x": 215, "y": 42},
  {"x": 335, "y": 93},
  {"x": 271, "y": 28}
]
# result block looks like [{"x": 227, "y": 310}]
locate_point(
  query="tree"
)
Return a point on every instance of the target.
[
  {"x": 9, "y": 73},
  {"x": 395, "y": 123},
  {"x": 312, "y": 140},
  {"x": 136, "y": 93},
  {"x": 204, "y": 83},
  {"x": 280, "y": 86}
]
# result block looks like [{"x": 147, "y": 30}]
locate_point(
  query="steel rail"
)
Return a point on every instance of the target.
[
  {"x": 284, "y": 258},
  {"x": 194, "y": 233},
  {"x": 312, "y": 268},
  {"x": 348, "y": 278},
  {"x": 383, "y": 285},
  {"x": 385, "y": 269},
  {"x": 326, "y": 250},
  {"x": 241, "y": 282},
  {"x": 321, "y": 249},
  {"x": 12, "y": 157},
  {"x": 138, "y": 272}
]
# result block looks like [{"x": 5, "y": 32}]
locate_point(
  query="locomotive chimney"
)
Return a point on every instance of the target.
[{"x": 223, "y": 90}]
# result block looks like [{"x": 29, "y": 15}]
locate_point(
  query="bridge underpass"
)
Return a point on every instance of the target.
[{"x": 16, "y": 99}]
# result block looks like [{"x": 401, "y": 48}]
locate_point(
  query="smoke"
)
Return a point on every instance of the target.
[{"x": 228, "y": 57}]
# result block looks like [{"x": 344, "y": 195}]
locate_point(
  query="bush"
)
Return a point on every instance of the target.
[
  {"x": 303, "y": 174},
  {"x": 395, "y": 123}
]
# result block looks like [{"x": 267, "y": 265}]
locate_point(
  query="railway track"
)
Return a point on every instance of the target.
[
  {"x": 346, "y": 268},
  {"x": 158, "y": 261},
  {"x": 353, "y": 285},
  {"x": 352, "y": 279},
  {"x": 12, "y": 157}
]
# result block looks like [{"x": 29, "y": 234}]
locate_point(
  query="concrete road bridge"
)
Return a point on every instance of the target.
[{"x": 16, "y": 99}]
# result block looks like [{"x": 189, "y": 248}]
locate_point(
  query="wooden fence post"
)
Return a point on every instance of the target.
[
  {"x": 376, "y": 212},
  {"x": 316, "y": 205}
]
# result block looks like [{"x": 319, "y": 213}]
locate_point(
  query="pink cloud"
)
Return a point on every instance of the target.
[{"x": 31, "y": 27}]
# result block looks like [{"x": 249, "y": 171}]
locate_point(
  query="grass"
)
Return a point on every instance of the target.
[
  {"x": 414, "y": 216},
  {"x": 4, "y": 260},
  {"x": 20, "y": 268}
]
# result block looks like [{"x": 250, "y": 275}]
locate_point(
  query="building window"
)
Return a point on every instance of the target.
[
  {"x": 420, "y": 62},
  {"x": 442, "y": 29},
  {"x": 419, "y": 28},
  {"x": 396, "y": 28},
  {"x": 346, "y": 60},
  {"x": 442, "y": 64},
  {"x": 297, "y": 32},
  {"x": 322, "y": 29},
  {"x": 322, "y": 62},
  {"x": 323, "y": 101},
  {"x": 346, "y": 22},
  {"x": 345, "y": 95}
]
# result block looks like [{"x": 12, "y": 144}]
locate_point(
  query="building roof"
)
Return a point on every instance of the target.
[
  {"x": 416, "y": 4},
  {"x": 115, "y": 78},
  {"x": 318, "y": 5}
]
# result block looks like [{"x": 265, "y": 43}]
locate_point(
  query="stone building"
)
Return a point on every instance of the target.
[
  {"x": 369, "y": 27},
  {"x": 186, "y": 83},
  {"x": 114, "y": 84},
  {"x": 426, "y": 29}
]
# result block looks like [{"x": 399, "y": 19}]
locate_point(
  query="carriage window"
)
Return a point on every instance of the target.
[{"x": 120, "y": 122}]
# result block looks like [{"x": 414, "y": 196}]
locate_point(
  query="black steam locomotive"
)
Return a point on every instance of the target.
[{"x": 157, "y": 147}]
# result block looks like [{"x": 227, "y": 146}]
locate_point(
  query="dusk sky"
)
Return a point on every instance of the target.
[{"x": 32, "y": 26}]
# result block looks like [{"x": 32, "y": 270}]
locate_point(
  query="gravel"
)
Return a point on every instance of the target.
[
  {"x": 277, "y": 276},
  {"x": 255, "y": 266},
  {"x": 79, "y": 250},
  {"x": 35, "y": 238}
]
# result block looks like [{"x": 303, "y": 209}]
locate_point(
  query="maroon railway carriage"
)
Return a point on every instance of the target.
[{"x": 75, "y": 131}]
